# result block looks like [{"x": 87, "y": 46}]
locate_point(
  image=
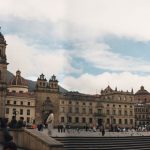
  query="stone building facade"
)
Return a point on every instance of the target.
[
  {"x": 116, "y": 108},
  {"x": 142, "y": 114},
  {"x": 47, "y": 94},
  {"x": 142, "y": 107},
  {"x": 109, "y": 109},
  {"x": 3, "y": 74},
  {"x": 19, "y": 101},
  {"x": 77, "y": 109}
]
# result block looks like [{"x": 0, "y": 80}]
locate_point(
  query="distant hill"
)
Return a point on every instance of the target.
[
  {"x": 9, "y": 76},
  {"x": 31, "y": 84}
]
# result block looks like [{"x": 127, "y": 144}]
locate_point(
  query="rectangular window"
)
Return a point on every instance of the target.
[
  {"x": 21, "y": 111},
  {"x": 62, "y": 109},
  {"x": 120, "y": 121},
  {"x": 114, "y": 112},
  {"x": 108, "y": 112},
  {"x": 125, "y": 113},
  {"x": 8, "y": 102},
  {"x": 69, "y": 119},
  {"x": 99, "y": 111},
  {"x": 83, "y": 110},
  {"x": 7, "y": 110},
  {"x": 14, "y": 102},
  {"x": 83, "y": 120},
  {"x": 120, "y": 112},
  {"x": 76, "y": 119},
  {"x": 126, "y": 121},
  {"x": 28, "y": 103},
  {"x": 114, "y": 121},
  {"x": 77, "y": 110},
  {"x": 62, "y": 119},
  {"x": 90, "y": 104},
  {"x": 21, "y": 103},
  {"x": 83, "y": 103},
  {"x": 28, "y": 119},
  {"x": 70, "y": 109},
  {"x": 90, "y": 120},
  {"x": 108, "y": 121},
  {"x": 131, "y": 113},
  {"x": 28, "y": 111},
  {"x": 90, "y": 111},
  {"x": 131, "y": 121}
]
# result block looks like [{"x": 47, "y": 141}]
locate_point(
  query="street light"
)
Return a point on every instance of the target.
[
  {"x": 15, "y": 113},
  {"x": 111, "y": 121}
]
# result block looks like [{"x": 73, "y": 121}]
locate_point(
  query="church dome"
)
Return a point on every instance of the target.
[
  {"x": 142, "y": 91},
  {"x": 18, "y": 80}
]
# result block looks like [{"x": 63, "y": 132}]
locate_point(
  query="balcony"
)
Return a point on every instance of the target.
[{"x": 99, "y": 115}]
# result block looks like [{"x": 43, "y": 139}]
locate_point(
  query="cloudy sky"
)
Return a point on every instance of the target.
[{"x": 87, "y": 44}]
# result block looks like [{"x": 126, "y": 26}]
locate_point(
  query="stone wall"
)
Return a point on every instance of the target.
[{"x": 31, "y": 139}]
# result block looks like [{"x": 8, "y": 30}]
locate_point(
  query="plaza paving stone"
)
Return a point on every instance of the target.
[{"x": 83, "y": 133}]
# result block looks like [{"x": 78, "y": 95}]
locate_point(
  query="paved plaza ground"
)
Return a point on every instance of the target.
[{"x": 83, "y": 133}]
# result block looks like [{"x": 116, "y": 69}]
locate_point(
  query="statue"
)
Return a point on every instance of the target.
[{"x": 50, "y": 121}]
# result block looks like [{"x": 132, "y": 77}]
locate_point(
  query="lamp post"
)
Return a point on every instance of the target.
[
  {"x": 15, "y": 113},
  {"x": 111, "y": 122}
]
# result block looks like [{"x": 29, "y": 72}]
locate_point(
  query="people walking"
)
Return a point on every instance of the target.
[{"x": 103, "y": 132}]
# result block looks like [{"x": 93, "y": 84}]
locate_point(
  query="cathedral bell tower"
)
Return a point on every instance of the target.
[{"x": 3, "y": 74}]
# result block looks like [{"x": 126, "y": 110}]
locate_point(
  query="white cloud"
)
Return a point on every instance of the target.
[
  {"x": 86, "y": 18},
  {"x": 93, "y": 84},
  {"x": 33, "y": 9},
  {"x": 32, "y": 61},
  {"x": 119, "y": 17},
  {"x": 101, "y": 56}
]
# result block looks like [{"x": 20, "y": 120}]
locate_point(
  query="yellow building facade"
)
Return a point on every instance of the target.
[{"x": 19, "y": 101}]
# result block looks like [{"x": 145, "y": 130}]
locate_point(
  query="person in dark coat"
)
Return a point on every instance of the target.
[
  {"x": 103, "y": 132},
  {"x": 20, "y": 123},
  {"x": 10, "y": 146},
  {"x": 4, "y": 125},
  {"x": 13, "y": 122}
]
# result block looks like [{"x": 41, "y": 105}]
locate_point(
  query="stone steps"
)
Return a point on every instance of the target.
[{"x": 106, "y": 143}]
